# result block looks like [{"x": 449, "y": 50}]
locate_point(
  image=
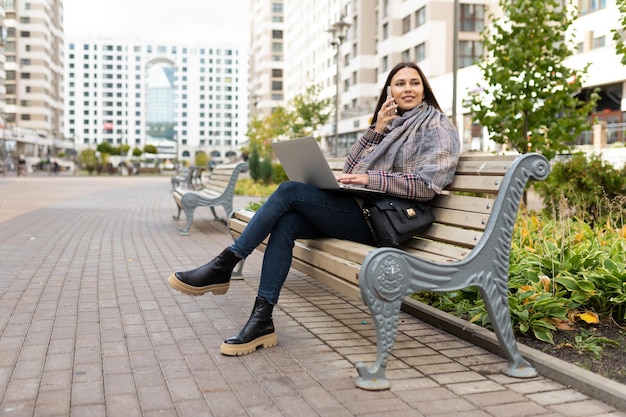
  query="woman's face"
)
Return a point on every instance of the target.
[{"x": 407, "y": 89}]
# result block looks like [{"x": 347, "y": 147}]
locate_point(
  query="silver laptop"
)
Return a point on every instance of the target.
[{"x": 303, "y": 161}]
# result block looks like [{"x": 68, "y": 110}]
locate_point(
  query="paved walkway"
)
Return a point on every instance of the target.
[{"x": 90, "y": 327}]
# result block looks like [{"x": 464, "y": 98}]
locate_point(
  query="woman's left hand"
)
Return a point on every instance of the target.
[{"x": 361, "y": 179}]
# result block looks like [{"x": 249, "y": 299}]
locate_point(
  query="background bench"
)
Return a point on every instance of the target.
[
  {"x": 468, "y": 245},
  {"x": 218, "y": 190},
  {"x": 191, "y": 180}
]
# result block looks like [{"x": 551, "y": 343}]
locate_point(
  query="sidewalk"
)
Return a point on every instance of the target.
[{"x": 90, "y": 327}]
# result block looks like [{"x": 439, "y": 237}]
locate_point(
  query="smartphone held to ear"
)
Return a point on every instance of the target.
[{"x": 390, "y": 96}]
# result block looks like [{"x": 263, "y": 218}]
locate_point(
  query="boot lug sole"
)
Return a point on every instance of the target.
[
  {"x": 178, "y": 285},
  {"x": 267, "y": 341}
]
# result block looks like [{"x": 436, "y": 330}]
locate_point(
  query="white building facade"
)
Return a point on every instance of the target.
[
  {"x": 384, "y": 32},
  {"x": 182, "y": 98},
  {"x": 31, "y": 90}
]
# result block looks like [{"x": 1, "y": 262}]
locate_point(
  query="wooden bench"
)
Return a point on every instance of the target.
[
  {"x": 468, "y": 245},
  {"x": 191, "y": 180},
  {"x": 218, "y": 190}
]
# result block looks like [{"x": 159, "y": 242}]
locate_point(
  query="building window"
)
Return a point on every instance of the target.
[
  {"x": 385, "y": 31},
  {"x": 277, "y": 34},
  {"x": 469, "y": 52},
  {"x": 589, "y": 6},
  {"x": 406, "y": 56},
  {"x": 420, "y": 52},
  {"x": 599, "y": 42},
  {"x": 406, "y": 24},
  {"x": 420, "y": 16},
  {"x": 277, "y": 47},
  {"x": 277, "y": 7},
  {"x": 277, "y": 73},
  {"x": 277, "y": 85},
  {"x": 472, "y": 17}
]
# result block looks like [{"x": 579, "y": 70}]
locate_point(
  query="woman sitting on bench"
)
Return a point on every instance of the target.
[{"x": 411, "y": 151}]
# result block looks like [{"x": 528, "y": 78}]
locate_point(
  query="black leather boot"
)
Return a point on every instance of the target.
[
  {"x": 258, "y": 331},
  {"x": 213, "y": 277}
]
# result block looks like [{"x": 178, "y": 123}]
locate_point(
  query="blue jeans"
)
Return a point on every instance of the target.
[{"x": 298, "y": 211}]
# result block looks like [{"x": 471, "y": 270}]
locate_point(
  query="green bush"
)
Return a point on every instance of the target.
[
  {"x": 266, "y": 171},
  {"x": 201, "y": 159},
  {"x": 254, "y": 163},
  {"x": 278, "y": 174},
  {"x": 559, "y": 270},
  {"x": 105, "y": 147},
  {"x": 586, "y": 187}
]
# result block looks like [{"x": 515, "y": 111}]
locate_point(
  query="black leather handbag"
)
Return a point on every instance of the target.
[{"x": 394, "y": 220}]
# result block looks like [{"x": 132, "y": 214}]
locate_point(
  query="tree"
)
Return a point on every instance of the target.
[
  {"x": 254, "y": 163},
  {"x": 302, "y": 116},
  {"x": 201, "y": 159},
  {"x": 309, "y": 112},
  {"x": 105, "y": 147},
  {"x": 88, "y": 160},
  {"x": 618, "y": 36},
  {"x": 529, "y": 100}
]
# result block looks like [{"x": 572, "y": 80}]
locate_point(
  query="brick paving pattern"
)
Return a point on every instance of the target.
[{"x": 90, "y": 327}]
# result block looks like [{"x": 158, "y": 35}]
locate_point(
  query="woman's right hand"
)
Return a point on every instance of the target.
[{"x": 387, "y": 113}]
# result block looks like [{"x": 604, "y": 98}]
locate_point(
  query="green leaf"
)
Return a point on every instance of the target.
[
  {"x": 567, "y": 282},
  {"x": 544, "y": 335}
]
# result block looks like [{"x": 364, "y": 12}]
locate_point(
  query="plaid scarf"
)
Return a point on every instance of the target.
[{"x": 422, "y": 141}]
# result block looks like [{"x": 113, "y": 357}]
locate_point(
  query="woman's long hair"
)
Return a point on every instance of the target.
[{"x": 429, "y": 97}]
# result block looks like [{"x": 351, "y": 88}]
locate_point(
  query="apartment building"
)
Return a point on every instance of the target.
[
  {"x": 266, "y": 56},
  {"x": 351, "y": 64},
  {"x": 380, "y": 33},
  {"x": 32, "y": 100},
  {"x": 182, "y": 98},
  {"x": 3, "y": 76}
]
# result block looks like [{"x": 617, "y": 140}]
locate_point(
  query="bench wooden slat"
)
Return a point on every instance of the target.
[
  {"x": 453, "y": 235},
  {"x": 328, "y": 262},
  {"x": 217, "y": 188},
  {"x": 461, "y": 202},
  {"x": 222, "y": 176},
  {"x": 459, "y": 218},
  {"x": 468, "y": 165},
  {"x": 483, "y": 166},
  {"x": 352, "y": 251},
  {"x": 475, "y": 184},
  {"x": 435, "y": 251}
]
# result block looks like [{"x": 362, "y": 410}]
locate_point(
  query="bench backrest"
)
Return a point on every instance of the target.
[
  {"x": 462, "y": 211},
  {"x": 220, "y": 177}
]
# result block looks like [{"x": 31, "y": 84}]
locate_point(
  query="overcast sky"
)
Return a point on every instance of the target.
[{"x": 213, "y": 21}]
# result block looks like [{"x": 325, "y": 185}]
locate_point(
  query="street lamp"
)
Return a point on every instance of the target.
[{"x": 338, "y": 33}]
